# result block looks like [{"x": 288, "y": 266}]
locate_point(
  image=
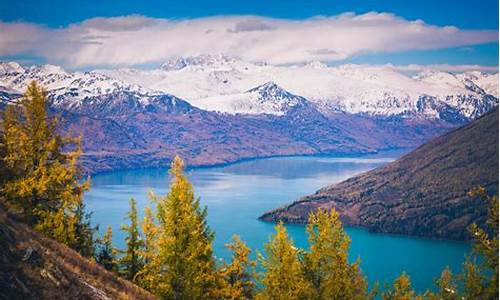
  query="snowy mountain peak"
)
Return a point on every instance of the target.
[
  {"x": 269, "y": 86},
  {"x": 271, "y": 92},
  {"x": 204, "y": 60},
  {"x": 268, "y": 98},
  {"x": 10, "y": 68}
]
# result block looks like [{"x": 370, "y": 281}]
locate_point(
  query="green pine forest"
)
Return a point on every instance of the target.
[{"x": 169, "y": 252}]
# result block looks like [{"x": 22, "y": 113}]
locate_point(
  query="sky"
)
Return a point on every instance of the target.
[{"x": 132, "y": 33}]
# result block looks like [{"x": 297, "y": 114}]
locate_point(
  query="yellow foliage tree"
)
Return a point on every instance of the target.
[
  {"x": 181, "y": 265},
  {"x": 401, "y": 290},
  {"x": 45, "y": 182},
  {"x": 236, "y": 279},
  {"x": 283, "y": 278},
  {"x": 326, "y": 264}
]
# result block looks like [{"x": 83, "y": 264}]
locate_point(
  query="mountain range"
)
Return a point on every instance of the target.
[
  {"x": 214, "y": 109},
  {"x": 424, "y": 193}
]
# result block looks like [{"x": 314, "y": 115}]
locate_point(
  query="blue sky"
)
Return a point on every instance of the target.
[{"x": 46, "y": 19}]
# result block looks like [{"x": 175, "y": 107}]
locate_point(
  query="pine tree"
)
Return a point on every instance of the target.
[
  {"x": 106, "y": 253},
  {"x": 283, "y": 278},
  {"x": 237, "y": 278},
  {"x": 45, "y": 183},
  {"x": 131, "y": 262},
  {"x": 326, "y": 264},
  {"x": 182, "y": 266}
]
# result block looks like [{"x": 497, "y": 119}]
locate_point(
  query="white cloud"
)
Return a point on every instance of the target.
[
  {"x": 134, "y": 40},
  {"x": 445, "y": 68}
]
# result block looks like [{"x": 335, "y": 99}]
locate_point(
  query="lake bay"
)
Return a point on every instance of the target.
[{"x": 237, "y": 194}]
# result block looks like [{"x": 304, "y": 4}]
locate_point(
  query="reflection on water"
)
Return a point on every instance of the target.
[{"x": 237, "y": 194}]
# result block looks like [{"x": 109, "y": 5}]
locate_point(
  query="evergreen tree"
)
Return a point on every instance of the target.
[
  {"x": 44, "y": 182},
  {"x": 4, "y": 171},
  {"x": 480, "y": 278},
  {"x": 182, "y": 266},
  {"x": 401, "y": 289},
  {"x": 131, "y": 262},
  {"x": 326, "y": 264},
  {"x": 447, "y": 289},
  {"x": 149, "y": 230},
  {"x": 237, "y": 277},
  {"x": 84, "y": 232},
  {"x": 283, "y": 278},
  {"x": 106, "y": 253}
]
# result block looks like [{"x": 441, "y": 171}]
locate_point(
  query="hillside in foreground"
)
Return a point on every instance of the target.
[
  {"x": 35, "y": 267},
  {"x": 424, "y": 193}
]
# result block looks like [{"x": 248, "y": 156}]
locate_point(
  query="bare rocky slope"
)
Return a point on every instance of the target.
[
  {"x": 424, "y": 193},
  {"x": 35, "y": 267}
]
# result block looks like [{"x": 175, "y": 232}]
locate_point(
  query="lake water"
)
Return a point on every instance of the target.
[{"x": 237, "y": 194}]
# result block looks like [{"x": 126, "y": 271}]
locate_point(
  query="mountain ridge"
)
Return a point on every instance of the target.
[
  {"x": 125, "y": 124},
  {"x": 424, "y": 193},
  {"x": 375, "y": 90}
]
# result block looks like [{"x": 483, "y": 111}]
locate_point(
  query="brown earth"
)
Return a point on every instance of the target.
[
  {"x": 424, "y": 193},
  {"x": 35, "y": 267}
]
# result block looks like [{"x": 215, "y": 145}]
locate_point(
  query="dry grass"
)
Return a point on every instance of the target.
[{"x": 52, "y": 271}]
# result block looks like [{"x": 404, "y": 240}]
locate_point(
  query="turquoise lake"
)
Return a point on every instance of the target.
[{"x": 237, "y": 194}]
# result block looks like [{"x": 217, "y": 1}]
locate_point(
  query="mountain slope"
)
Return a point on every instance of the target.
[
  {"x": 36, "y": 267},
  {"x": 424, "y": 193},
  {"x": 126, "y": 129}
]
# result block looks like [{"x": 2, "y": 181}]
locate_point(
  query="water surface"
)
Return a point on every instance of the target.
[{"x": 238, "y": 193}]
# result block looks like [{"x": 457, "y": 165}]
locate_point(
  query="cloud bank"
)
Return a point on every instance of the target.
[
  {"x": 445, "y": 68},
  {"x": 135, "y": 40}
]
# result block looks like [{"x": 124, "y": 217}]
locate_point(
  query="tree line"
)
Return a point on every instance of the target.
[{"x": 169, "y": 252}]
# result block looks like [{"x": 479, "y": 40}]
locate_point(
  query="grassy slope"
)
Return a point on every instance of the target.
[
  {"x": 35, "y": 267},
  {"x": 423, "y": 193}
]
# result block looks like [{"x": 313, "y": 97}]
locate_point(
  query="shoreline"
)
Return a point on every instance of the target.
[{"x": 403, "y": 150}]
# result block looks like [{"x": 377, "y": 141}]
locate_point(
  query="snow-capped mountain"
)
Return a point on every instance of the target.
[
  {"x": 126, "y": 104},
  {"x": 215, "y": 109},
  {"x": 224, "y": 84},
  {"x": 65, "y": 89},
  {"x": 268, "y": 98},
  {"x": 374, "y": 90}
]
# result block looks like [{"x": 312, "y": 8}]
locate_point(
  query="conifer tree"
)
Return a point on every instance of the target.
[
  {"x": 237, "y": 278},
  {"x": 131, "y": 262},
  {"x": 4, "y": 171},
  {"x": 45, "y": 183},
  {"x": 401, "y": 289},
  {"x": 149, "y": 230},
  {"x": 283, "y": 278},
  {"x": 480, "y": 279},
  {"x": 182, "y": 266},
  {"x": 446, "y": 288},
  {"x": 326, "y": 264},
  {"x": 106, "y": 253}
]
